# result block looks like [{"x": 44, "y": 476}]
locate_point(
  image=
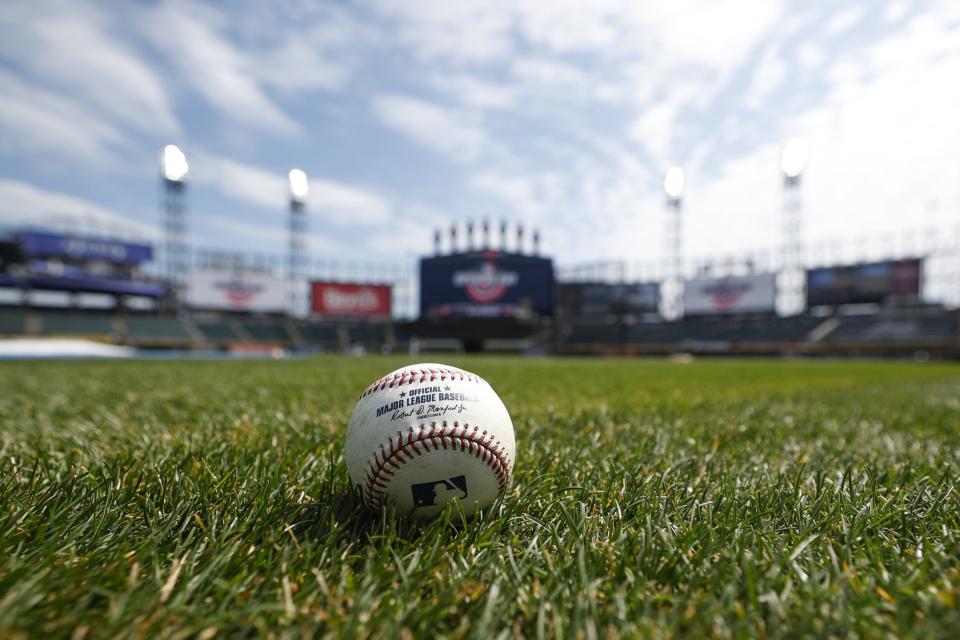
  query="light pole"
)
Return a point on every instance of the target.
[
  {"x": 297, "y": 256},
  {"x": 793, "y": 162},
  {"x": 173, "y": 172},
  {"x": 672, "y": 296}
]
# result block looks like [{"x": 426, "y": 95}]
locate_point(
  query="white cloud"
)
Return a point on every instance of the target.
[
  {"x": 74, "y": 47},
  {"x": 452, "y": 133},
  {"x": 768, "y": 75},
  {"x": 22, "y": 203},
  {"x": 529, "y": 196},
  {"x": 46, "y": 124},
  {"x": 476, "y": 92},
  {"x": 271, "y": 239},
  {"x": 843, "y": 21},
  {"x": 329, "y": 202},
  {"x": 217, "y": 69},
  {"x": 464, "y": 31}
]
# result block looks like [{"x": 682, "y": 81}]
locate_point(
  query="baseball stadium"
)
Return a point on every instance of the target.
[{"x": 479, "y": 320}]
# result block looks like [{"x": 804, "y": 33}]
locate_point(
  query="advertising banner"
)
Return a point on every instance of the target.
[
  {"x": 594, "y": 299},
  {"x": 866, "y": 283},
  {"x": 349, "y": 299},
  {"x": 37, "y": 244},
  {"x": 236, "y": 291},
  {"x": 735, "y": 294},
  {"x": 486, "y": 283}
]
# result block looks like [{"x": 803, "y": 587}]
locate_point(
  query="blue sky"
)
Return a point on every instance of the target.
[{"x": 410, "y": 115}]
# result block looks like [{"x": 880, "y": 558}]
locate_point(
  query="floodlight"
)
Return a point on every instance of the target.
[
  {"x": 299, "y": 185},
  {"x": 673, "y": 183},
  {"x": 173, "y": 164},
  {"x": 794, "y": 159}
]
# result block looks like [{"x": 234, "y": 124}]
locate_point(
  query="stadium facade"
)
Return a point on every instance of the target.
[{"x": 477, "y": 299}]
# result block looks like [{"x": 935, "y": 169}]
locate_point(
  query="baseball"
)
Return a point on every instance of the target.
[{"x": 428, "y": 434}]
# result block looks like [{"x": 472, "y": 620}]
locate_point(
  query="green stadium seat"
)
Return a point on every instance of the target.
[
  {"x": 159, "y": 328},
  {"x": 12, "y": 322},
  {"x": 76, "y": 323},
  {"x": 218, "y": 331},
  {"x": 266, "y": 330}
]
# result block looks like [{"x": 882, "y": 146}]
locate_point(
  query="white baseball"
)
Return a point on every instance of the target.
[{"x": 427, "y": 434}]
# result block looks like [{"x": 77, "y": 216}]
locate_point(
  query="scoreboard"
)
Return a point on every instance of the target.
[{"x": 486, "y": 284}]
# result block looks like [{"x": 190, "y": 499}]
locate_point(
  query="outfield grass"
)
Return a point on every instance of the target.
[{"x": 650, "y": 498}]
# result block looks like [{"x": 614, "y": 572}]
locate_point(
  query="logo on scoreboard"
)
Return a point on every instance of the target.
[
  {"x": 726, "y": 294},
  {"x": 238, "y": 292},
  {"x": 486, "y": 283}
]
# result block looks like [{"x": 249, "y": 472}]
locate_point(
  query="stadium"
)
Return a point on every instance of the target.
[{"x": 650, "y": 329}]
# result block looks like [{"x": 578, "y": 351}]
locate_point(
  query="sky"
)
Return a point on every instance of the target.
[{"x": 558, "y": 114}]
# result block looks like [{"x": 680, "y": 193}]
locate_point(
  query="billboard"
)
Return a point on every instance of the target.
[
  {"x": 40, "y": 244},
  {"x": 734, "y": 294},
  {"x": 236, "y": 291},
  {"x": 865, "y": 283},
  {"x": 604, "y": 299},
  {"x": 347, "y": 299},
  {"x": 486, "y": 284}
]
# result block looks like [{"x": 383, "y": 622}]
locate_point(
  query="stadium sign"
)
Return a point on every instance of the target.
[
  {"x": 347, "y": 299},
  {"x": 599, "y": 299},
  {"x": 873, "y": 282},
  {"x": 40, "y": 244},
  {"x": 236, "y": 291},
  {"x": 486, "y": 284},
  {"x": 735, "y": 294}
]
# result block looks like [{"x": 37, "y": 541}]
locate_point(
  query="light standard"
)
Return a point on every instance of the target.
[
  {"x": 673, "y": 185},
  {"x": 173, "y": 172},
  {"x": 299, "y": 190},
  {"x": 793, "y": 162}
]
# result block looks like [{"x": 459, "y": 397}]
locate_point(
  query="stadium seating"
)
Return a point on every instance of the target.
[
  {"x": 371, "y": 336},
  {"x": 148, "y": 328},
  {"x": 77, "y": 323},
  {"x": 322, "y": 335},
  {"x": 12, "y": 321},
  {"x": 266, "y": 330},
  {"x": 895, "y": 327},
  {"x": 217, "y": 331}
]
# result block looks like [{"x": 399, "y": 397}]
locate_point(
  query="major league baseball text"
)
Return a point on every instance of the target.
[{"x": 427, "y": 434}]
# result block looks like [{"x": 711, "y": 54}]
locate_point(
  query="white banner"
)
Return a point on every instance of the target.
[
  {"x": 736, "y": 294},
  {"x": 236, "y": 291}
]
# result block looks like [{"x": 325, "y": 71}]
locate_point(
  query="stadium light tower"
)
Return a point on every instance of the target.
[
  {"x": 793, "y": 163},
  {"x": 173, "y": 172},
  {"x": 297, "y": 255},
  {"x": 673, "y": 185}
]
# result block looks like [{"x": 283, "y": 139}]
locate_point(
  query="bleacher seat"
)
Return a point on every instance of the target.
[
  {"x": 266, "y": 330},
  {"x": 156, "y": 328},
  {"x": 325, "y": 335},
  {"x": 217, "y": 331},
  {"x": 372, "y": 336},
  {"x": 81, "y": 323},
  {"x": 12, "y": 322}
]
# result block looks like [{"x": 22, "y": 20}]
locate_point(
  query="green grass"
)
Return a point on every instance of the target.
[{"x": 722, "y": 498}]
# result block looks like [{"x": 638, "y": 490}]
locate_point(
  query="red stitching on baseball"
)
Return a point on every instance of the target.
[
  {"x": 479, "y": 444},
  {"x": 409, "y": 376}
]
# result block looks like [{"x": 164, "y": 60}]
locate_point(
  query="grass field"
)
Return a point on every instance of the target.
[{"x": 721, "y": 498}]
